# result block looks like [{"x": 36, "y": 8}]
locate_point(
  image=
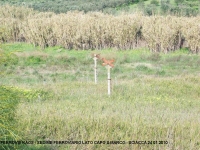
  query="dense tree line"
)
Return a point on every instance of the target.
[
  {"x": 60, "y": 6},
  {"x": 176, "y": 7}
]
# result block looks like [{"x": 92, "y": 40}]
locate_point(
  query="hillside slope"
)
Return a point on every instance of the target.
[
  {"x": 172, "y": 7},
  {"x": 175, "y": 7},
  {"x": 59, "y": 6}
]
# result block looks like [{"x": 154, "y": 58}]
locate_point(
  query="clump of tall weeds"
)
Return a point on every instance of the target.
[{"x": 95, "y": 30}]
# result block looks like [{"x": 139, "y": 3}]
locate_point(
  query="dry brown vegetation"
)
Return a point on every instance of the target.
[{"x": 77, "y": 30}]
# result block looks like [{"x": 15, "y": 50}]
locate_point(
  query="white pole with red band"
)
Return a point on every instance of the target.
[
  {"x": 95, "y": 57},
  {"x": 108, "y": 64}
]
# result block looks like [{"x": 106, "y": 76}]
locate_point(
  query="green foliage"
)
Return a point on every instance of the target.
[
  {"x": 61, "y": 6},
  {"x": 189, "y": 7},
  {"x": 7, "y": 59},
  {"x": 154, "y": 2},
  {"x": 33, "y": 60},
  {"x": 154, "y": 57},
  {"x": 182, "y": 7},
  {"x": 165, "y": 5},
  {"x": 179, "y": 1},
  {"x": 151, "y": 9},
  {"x": 141, "y": 5},
  {"x": 172, "y": 7},
  {"x": 9, "y": 100}
]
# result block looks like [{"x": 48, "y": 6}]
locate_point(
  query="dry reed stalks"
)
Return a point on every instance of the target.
[{"x": 94, "y": 30}]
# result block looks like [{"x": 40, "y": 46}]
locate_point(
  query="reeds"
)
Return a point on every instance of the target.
[{"x": 94, "y": 30}]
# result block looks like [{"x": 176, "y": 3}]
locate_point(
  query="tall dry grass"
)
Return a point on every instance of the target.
[
  {"x": 20, "y": 12},
  {"x": 191, "y": 33},
  {"x": 94, "y": 30},
  {"x": 162, "y": 33},
  {"x": 76, "y": 30}
]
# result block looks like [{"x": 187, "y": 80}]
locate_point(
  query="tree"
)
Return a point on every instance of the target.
[
  {"x": 165, "y": 5},
  {"x": 154, "y": 2},
  {"x": 179, "y": 1},
  {"x": 151, "y": 9},
  {"x": 141, "y": 5}
]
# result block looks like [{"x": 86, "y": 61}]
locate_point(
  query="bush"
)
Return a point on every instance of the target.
[
  {"x": 155, "y": 2},
  {"x": 165, "y": 6},
  {"x": 179, "y": 1},
  {"x": 151, "y": 9}
]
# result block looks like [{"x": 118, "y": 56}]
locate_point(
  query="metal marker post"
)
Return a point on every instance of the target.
[
  {"x": 108, "y": 64},
  {"x": 109, "y": 79},
  {"x": 95, "y": 69}
]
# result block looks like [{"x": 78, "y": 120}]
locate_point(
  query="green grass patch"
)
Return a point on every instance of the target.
[
  {"x": 52, "y": 96},
  {"x": 9, "y": 100}
]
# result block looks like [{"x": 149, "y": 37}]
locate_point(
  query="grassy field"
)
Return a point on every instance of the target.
[{"x": 155, "y": 97}]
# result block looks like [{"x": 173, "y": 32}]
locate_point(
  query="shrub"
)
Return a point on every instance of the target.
[
  {"x": 154, "y": 2},
  {"x": 179, "y": 1}
]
